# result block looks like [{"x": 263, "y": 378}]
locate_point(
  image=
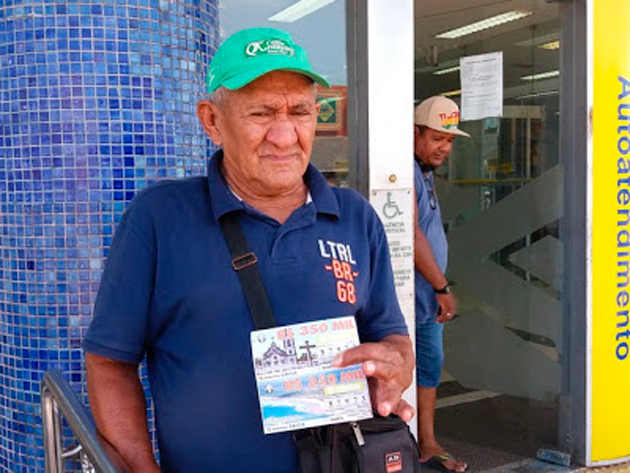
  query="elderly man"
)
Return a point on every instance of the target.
[
  {"x": 169, "y": 292},
  {"x": 435, "y": 128}
]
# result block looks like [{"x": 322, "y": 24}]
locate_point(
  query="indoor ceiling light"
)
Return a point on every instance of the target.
[
  {"x": 551, "y": 45},
  {"x": 484, "y": 24},
  {"x": 299, "y": 10},
  {"x": 542, "y": 75},
  {"x": 538, "y": 40},
  {"x": 447, "y": 70},
  {"x": 537, "y": 94}
]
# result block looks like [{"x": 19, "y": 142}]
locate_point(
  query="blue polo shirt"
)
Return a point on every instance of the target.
[
  {"x": 169, "y": 293},
  {"x": 430, "y": 221}
]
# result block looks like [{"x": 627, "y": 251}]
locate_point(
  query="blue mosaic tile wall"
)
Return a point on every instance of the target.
[{"x": 97, "y": 100}]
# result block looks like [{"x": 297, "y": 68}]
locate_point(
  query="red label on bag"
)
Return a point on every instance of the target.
[{"x": 393, "y": 462}]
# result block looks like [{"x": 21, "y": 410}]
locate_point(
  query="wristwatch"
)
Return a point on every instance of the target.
[{"x": 445, "y": 290}]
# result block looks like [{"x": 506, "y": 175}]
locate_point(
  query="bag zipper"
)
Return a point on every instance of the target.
[
  {"x": 382, "y": 424},
  {"x": 357, "y": 433}
]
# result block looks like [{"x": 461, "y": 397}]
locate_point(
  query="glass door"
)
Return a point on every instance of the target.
[{"x": 501, "y": 195}]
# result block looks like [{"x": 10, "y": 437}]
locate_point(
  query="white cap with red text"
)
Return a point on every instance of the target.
[{"x": 440, "y": 114}]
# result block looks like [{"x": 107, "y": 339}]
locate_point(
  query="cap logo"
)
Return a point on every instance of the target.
[
  {"x": 449, "y": 121},
  {"x": 273, "y": 46}
]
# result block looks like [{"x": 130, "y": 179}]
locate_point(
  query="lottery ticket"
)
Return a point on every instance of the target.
[{"x": 297, "y": 385}]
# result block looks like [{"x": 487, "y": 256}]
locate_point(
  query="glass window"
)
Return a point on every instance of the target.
[
  {"x": 319, "y": 27},
  {"x": 501, "y": 198}
]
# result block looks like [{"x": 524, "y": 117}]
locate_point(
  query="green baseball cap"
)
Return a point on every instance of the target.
[{"x": 251, "y": 53}]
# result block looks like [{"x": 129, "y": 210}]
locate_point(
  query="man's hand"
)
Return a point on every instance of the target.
[
  {"x": 388, "y": 364},
  {"x": 447, "y": 305}
]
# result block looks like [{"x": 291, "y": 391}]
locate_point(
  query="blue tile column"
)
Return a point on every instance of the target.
[{"x": 97, "y": 100}]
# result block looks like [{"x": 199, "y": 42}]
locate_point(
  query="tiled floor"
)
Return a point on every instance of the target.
[
  {"x": 495, "y": 432},
  {"x": 498, "y": 433}
]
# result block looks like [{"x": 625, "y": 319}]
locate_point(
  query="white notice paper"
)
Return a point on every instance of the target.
[{"x": 482, "y": 86}]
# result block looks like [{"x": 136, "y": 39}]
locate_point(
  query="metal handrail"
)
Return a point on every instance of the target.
[{"x": 58, "y": 397}]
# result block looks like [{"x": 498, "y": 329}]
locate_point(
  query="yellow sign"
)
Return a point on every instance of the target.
[{"x": 610, "y": 381}]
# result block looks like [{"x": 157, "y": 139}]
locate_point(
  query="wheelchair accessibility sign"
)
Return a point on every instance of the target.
[
  {"x": 395, "y": 208},
  {"x": 391, "y": 208}
]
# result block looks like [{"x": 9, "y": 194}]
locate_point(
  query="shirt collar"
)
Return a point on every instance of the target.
[
  {"x": 309, "y": 197},
  {"x": 223, "y": 200}
]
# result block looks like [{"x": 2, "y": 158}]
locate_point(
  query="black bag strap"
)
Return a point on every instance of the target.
[{"x": 244, "y": 263}]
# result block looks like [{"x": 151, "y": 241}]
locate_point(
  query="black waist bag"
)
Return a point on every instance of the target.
[{"x": 378, "y": 445}]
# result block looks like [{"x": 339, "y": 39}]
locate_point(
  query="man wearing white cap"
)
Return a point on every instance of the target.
[{"x": 435, "y": 128}]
